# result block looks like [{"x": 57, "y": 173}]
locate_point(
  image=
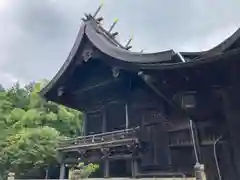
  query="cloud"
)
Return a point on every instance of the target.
[
  {"x": 8, "y": 79},
  {"x": 4, "y": 4},
  {"x": 38, "y": 35}
]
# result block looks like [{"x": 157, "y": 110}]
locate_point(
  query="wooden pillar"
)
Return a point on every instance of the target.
[
  {"x": 134, "y": 167},
  {"x": 231, "y": 100},
  {"x": 224, "y": 154},
  {"x": 126, "y": 116},
  {"x": 106, "y": 168},
  {"x": 62, "y": 171},
  {"x": 104, "y": 119}
]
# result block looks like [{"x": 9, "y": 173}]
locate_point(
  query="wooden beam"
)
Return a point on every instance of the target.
[
  {"x": 113, "y": 143},
  {"x": 101, "y": 84}
]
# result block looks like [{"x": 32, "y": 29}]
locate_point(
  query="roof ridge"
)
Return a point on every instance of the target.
[{"x": 96, "y": 22}]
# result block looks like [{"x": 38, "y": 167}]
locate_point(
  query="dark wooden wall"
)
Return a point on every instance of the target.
[{"x": 164, "y": 130}]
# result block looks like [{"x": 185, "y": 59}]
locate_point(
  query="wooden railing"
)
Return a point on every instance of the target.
[{"x": 114, "y": 136}]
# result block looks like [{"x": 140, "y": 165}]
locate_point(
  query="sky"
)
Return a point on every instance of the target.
[{"x": 37, "y": 35}]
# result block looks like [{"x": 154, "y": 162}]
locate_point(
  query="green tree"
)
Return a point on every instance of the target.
[
  {"x": 83, "y": 171},
  {"x": 28, "y": 109},
  {"x": 30, "y": 128},
  {"x": 30, "y": 148}
]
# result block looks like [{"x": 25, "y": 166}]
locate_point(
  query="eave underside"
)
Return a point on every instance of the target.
[{"x": 215, "y": 72}]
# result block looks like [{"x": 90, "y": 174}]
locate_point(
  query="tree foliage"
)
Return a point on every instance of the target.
[
  {"x": 30, "y": 147},
  {"x": 31, "y": 127},
  {"x": 83, "y": 171}
]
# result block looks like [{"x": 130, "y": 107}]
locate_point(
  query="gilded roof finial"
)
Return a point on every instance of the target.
[{"x": 113, "y": 25}]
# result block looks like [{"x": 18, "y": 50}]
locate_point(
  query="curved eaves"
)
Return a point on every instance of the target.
[
  {"x": 222, "y": 47},
  {"x": 108, "y": 48},
  {"x": 225, "y": 45},
  {"x": 148, "y": 61},
  {"x": 67, "y": 63},
  {"x": 200, "y": 61},
  {"x": 151, "y": 61},
  {"x": 158, "y": 59}
]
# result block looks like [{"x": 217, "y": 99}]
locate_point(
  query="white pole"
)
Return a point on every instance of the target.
[
  {"x": 215, "y": 157},
  {"x": 126, "y": 116}
]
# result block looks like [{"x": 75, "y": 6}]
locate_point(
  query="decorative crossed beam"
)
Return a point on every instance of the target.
[{"x": 109, "y": 33}]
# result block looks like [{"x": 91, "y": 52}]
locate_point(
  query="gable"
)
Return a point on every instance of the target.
[{"x": 95, "y": 82}]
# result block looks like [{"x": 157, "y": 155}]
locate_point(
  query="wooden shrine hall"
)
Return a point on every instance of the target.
[{"x": 150, "y": 114}]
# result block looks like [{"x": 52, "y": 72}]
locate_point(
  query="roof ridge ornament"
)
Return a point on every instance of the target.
[
  {"x": 142, "y": 50},
  {"x": 93, "y": 17},
  {"x": 108, "y": 33},
  {"x": 98, "y": 10},
  {"x": 128, "y": 42},
  {"x": 99, "y": 19},
  {"x": 87, "y": 17},
  {"x": 113, "y": 25},
  {"x": 113, "y": 35}
]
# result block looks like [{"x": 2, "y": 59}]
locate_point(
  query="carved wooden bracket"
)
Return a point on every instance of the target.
[
  {"x": 87, "y": 54},
  {"x": 105, "y": 152},
  {"x": 60, "y": 91},
  {"x": 82, "y": 153},
  {"x": 115, "y": 72}
]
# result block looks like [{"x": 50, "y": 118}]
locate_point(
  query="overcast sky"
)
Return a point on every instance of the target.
[{"x": 37, "y": 35}]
